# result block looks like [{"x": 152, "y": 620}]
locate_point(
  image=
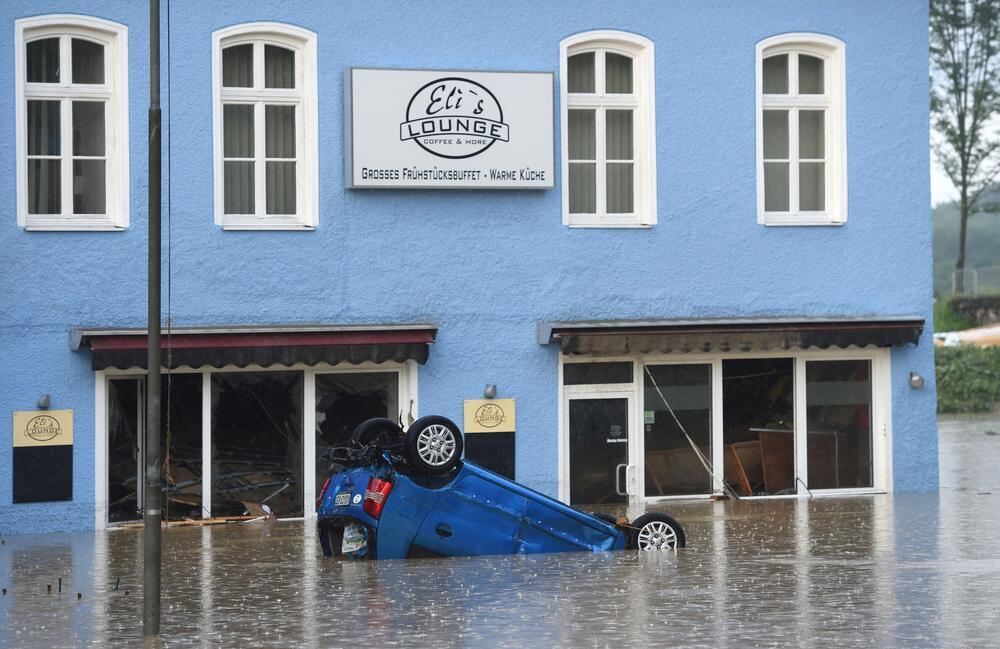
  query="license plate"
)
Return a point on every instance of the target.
[
  {"x": 342, "y": 499},
  {"x": 354, "y": 539}
]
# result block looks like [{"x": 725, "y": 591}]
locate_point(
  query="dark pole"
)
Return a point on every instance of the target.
[{"x": 153, "y": 494}]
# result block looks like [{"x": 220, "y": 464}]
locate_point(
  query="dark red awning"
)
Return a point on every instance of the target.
[
  {"x": 725, "y": 335},
  {"x": 268, "y": 345}
]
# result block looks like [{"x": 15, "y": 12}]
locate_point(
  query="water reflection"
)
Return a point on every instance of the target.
[{"x": 901, "y": 571}]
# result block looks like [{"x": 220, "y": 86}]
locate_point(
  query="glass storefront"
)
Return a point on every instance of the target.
[
  {"x": 256, "y": 421},
  {"x": 762, "y": 426}
]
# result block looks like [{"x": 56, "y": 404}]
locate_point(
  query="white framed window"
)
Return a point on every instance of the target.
[
  {"x": 801, "y": 131},
  {"x": 71, "y": 78},
  {"x": 608, "y": 130},
  {"x": 264, "y": 118}
]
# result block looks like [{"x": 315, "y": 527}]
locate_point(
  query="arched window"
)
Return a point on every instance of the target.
[
  {"x": 608, "y": 130},
  {"x": 72, "y": 123},
  {"x": 264, "y": 82},
  {"x": 801, "y": 147}
]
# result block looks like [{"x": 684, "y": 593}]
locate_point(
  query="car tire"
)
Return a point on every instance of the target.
[
  {"x": 434, "y": 445},
  {"x": 378, "y": 430},
  {"x": 655, "y": 531}
]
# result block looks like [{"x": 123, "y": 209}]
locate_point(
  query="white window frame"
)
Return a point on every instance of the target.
[
  {"x": 114, "y": 38},
  {"x": 834, "y": 100},
  {"x": 881, "y": 413},
  {"x": 303, "y": 96},
  {"x": 642, "y": 101},
  {"x": 408, "y": 399}
]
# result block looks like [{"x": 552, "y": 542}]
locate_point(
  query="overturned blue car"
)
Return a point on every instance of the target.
[{"x": 394, "y": 494}]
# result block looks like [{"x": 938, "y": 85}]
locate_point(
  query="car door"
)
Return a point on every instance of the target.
[{"x": 474, "y": 516}]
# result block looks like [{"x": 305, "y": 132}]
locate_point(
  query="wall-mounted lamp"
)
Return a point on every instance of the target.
[
  {"x": 490, "y": 391},
  {"x": 916, "y": 381},
  {"x": 44, "y": 401}
]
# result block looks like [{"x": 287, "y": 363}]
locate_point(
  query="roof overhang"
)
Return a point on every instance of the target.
[
  {"x": 264, "y": 345},
  {"x": 610, "y": 337}
]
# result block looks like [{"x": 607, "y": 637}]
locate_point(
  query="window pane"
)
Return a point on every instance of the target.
[
  {"x": 582, "y": 135},
  {"x": 43, "y": 61},
  {"x": 257, "y": 444},
  {"x": 279, "y": 67},
  {"x": 775, "y": 134},
  {"x": 672, "y": 467},
  {"x": 839, "y": 424},
  {"x": 238, "y": 187},
  {"x": 582, "y": 188},
  {"x": 89, "y": 193},
  {"x": 776, "y": 75},
  {"x": 44, "y": 187},
  {"x": 43, "y": 127},
  {"x": 580, "y": 73},
  {"x": 88, "y": 128},
  {"x": 811, "y": 134},
  {"x": 775, "y": 186},
  {"x": 279, "y": 131},
  {"x": 811, "y": 186},
  {"x": 237, "y": 66},
  {"x": 345, "y": 400},
  {"x": 810, "y": 75},
  {"x": 280, "y": 187},
  {"x": 618, "y": 133},
  {"x": 593, "y": 373},
  {"x": 620, "y": 188},
  {"x": 88, "y": 61},
  {"x": 618, "y": 73},
  {"x": 237, "y": 131}
]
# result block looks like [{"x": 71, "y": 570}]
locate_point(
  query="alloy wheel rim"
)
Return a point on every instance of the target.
[
  {"x": 657, "y": 535},
  {"x": 436, "y": 445}
]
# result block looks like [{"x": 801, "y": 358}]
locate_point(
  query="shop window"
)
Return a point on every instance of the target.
[
  {"x": 344, "y": 400},
  {"x": 257, "y": 448},
  {"x": 758, "y": 425},
  {"x": 608, "y": 134},
  {"x": 180, "y": 447},
  {"x": 71, "y": 123},
  {"x": 672, "y": 467},
  {"x": 264, "y": 79},
  {"x": 839, "y": 424},
  {"x": 801, "y": 177}
]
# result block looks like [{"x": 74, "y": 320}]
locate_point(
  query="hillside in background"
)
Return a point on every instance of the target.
[{"x": 982, "y": 243}]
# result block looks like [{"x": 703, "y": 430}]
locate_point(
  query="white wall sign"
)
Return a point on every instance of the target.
[{"x": 449, "y": 129}]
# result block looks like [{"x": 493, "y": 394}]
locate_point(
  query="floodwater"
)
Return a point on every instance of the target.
[{"x": 884, "y": 571}]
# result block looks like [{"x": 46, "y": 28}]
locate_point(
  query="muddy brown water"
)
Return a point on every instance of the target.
[{"x": 884, "y": 571}]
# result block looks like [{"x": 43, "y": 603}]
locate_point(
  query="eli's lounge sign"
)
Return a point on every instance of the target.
[{"x": 448, "y": 129}]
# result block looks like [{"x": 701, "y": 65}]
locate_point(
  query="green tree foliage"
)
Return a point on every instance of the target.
[
  {"x": 968, "y": 378},
  {"x": 965, "y": 101}
]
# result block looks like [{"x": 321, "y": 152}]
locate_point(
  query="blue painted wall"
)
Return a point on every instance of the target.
[{"x": 486, "y": 266}]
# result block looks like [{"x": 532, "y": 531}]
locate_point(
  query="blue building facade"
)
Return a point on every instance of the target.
[{"x": 729, "y": 279}]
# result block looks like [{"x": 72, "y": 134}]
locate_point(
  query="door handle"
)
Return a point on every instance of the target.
[
  {"x": 443, "y": 530},
  {"x": 618, "y": 479},
  {"x": 630, "y": 479}
]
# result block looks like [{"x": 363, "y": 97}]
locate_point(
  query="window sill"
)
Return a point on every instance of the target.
[
  {"x": 71, "y": 225},
  {"x": 594, "y": 221},
  {"x": 800, "y": 220},
  {"x": 254, "y": 223}
]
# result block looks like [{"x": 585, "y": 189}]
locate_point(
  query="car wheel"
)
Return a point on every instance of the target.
[
  {"x": 434, "y": 444},
  {"x": 331, "y": 538},
  {"x": 656, "y": 531},
  {"x": 378, "y": 430}
]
